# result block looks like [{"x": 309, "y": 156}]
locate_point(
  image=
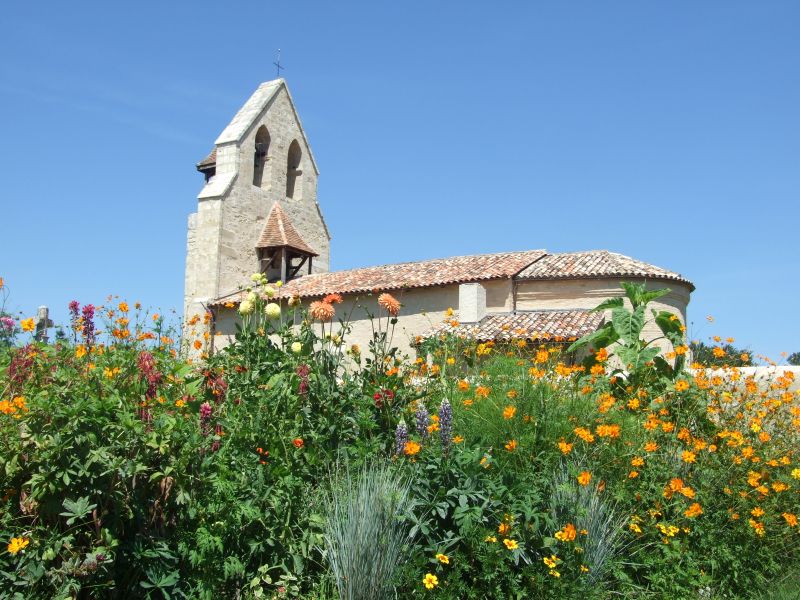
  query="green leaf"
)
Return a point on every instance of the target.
[
  {"x": 76, "y": 509},
  {"x": 601, "y": 338},
  {"x": 610, "y": 303},
  {"x": 669, "y": 326},
  {"x": 628, "y": 325}
]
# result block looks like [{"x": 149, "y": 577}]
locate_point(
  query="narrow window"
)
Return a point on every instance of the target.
[
  {"x": 260, "y": 155},
  {"x": 293, "y": 169}
]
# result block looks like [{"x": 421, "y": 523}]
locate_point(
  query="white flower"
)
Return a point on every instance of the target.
[
  {"x": 273, "y": 310},
  {"x": 255, "y": 277},
  {"x": 269, "y": 291},
  {"x": 246, "y": 307},
  {"x": 251, "y": 297},
  {"x": 297, "y": 347}
]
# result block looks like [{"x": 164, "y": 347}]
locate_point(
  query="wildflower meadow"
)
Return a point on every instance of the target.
[{"x": 136, "y": 463}]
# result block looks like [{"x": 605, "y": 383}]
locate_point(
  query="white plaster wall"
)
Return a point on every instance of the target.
[{"x": 422, "y": 309}]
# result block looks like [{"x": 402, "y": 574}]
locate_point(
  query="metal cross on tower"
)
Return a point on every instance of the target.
[{"x": 277, "y": 63}]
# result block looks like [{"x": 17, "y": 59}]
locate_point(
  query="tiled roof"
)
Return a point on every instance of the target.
[
  {"x": 279, "y": 232},
  {"x": 540, "y": 324},
  {"x": 208, "y": 162},
  {"x": 427, "y": 273},
  {"x": 595, "y": 263}
]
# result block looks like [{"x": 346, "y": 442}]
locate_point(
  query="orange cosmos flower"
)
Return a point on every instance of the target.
[
  {"x": 681, "y": 385},
  {"x": 695, "y": 510},
  {"x": 584, "y": 478},
  {"x": 509, "y": 412},
  {"x": 389, "y": 303},
  {"x": 411, "y": 448},
  {"x": 198, "y": 344},
  {"x": 298, "y": 442},
  {"x": 565, "y": 447},
  {"x": 567, "y": 533},
  {"x": 27, "y": 324},
  {"x": 321, "y": 311},
  {"x": 791, "y": 519},
  {"x": 511, "y": 446}
]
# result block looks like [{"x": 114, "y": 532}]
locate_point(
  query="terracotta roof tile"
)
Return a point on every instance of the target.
[
  {"x": 427, "y": 273},
  {"x": 534, "y": 325},
  {"x": 595, "y": 263},
  {"x": 279, "y": 232}
]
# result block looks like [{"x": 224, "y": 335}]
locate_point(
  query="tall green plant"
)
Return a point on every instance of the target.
[{"x": 624, "y": 333}]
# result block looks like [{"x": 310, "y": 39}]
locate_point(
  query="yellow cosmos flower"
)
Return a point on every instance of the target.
[
  {"x": 510, "y": 544},
  {"x": 584, "y": 478},
  {"x": 443, "y": 558},
  {"x": 27, "y": 324},
  {"x": 509, "y": 412}
]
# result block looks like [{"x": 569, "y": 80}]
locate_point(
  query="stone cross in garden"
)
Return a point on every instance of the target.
[{"x": 43, "y": 322}]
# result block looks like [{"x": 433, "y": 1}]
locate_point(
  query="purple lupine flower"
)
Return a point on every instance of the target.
[
  {"x": 422, "y": 419},
  {"x": 88, "y": 324},
  {"x": 446, "y": 424},
  {"x": 400, "y": 437}
]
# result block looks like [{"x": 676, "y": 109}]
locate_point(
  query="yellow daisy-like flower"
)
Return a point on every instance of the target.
[
  {"x": 510, "y": 544},
  {"x": 443, "y": 558},
  {"x": 509, "y": 412},
  {"x": 491, "y": 539},
  {"x": 27, "y": 324},
  {"x": 584, "y": 478},
  {"x": 17, "y": 544},
  {"x": 430, "y": 581}
]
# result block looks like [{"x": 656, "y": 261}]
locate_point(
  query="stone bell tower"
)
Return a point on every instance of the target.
[{"x": 258, "y": 210}]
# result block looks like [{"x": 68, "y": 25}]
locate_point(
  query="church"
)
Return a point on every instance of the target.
[{"x": 258, "y": 213}]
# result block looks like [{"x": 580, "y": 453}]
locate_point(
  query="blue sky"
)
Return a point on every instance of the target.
[{"x": 669, "y": 131}]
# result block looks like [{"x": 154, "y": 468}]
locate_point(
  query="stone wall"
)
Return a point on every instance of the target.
[{"x": 232, "y": 212}]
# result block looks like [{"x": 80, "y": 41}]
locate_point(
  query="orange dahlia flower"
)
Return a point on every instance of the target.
[
  {"x": 322, "y": 311},
  {"x": 390, "y": 303}
]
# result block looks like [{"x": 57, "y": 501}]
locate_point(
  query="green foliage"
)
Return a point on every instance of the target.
[{"x": 127, "y": 471}]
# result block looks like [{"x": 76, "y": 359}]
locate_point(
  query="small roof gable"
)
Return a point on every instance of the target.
[
  {"x": 554, "y": 325},
  {"x": 279, "y": 232},
  {"x": 208, "y": 162},
  {"x": 596, "y": 263}
]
